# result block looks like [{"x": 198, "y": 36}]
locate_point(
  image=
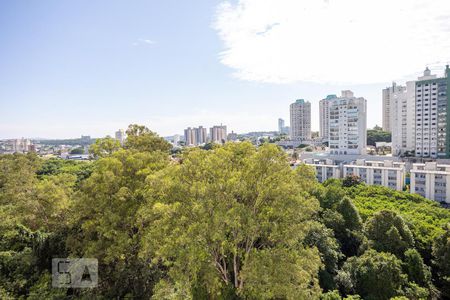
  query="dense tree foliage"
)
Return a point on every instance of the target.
[
  {"x": 79, "y": 150},
  {"x": 388, "y": 232},
  {"x": 140, "y": 138},
  {"x": 219, "y": 227},
  {"x": 441, "y": 254},
  {"x": 425, "y": 218},
  {"x": 104, "y": 147},
  {"x": 372, "y": 275},
  {"x": 224, "y": 222},
  {"x": 377, "y": 135}
]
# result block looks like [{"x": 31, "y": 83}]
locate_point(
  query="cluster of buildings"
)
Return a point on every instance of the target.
[
  {"x": 198, "y": 135},
  {"x": 416, "y": 115},
  {"x": 343, "y": 123},
  {"x": 387, "y": 173},
  {"x": 22, "y": 145},
  {"x": 430, "y": 179}
]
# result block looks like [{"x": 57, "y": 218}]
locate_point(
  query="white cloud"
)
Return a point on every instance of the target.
[
  {"x": 332, "y": 41},
  {"x": 143, "y": 42}
]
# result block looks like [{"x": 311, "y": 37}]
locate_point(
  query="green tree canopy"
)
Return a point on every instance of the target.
[
  {"x": 33, "y": 212},
  {"x": 233, "y": 217},
  {"x": 332, "y": 194},
  {"x": 140, "y": 138},
  {"x": 377, "y": 135},
  {"x": 323, "y": 238},
  {"x": 79, "y": 150},
  {"x": 441, "y": 261},
  {"x": 388, "y": 232},
  {"x": 104, "y": 147},
  {"x": 415, "y": 268},
  {"x": 373, "y": 276},
  {"x": 350, "y": 214},
  {"x": 105, "y": 220}
]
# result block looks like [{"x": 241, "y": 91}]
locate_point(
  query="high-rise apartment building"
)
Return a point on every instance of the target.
[
  {"x": 195, "y": 136},
  {"x": 386, "y": 113},
  {"x": 218, "y": 134},
  {"x": 432, "y": 118},
  {"x": 189, "y": 137},
  {"x": 280, "y": 125},
  {"x": 390, "y": 94},
  {"x": 21, "y": 145},
  {"x": 348, "y": 124},
  {"x": 282, "y": 129},
  {"x": 300, "y": 112},
  {"x": 324, "y": 117},
  {"x": 401, "y": 116},
  {"x": 201, "y": 135},
  {"x": 120, "y": 136}
]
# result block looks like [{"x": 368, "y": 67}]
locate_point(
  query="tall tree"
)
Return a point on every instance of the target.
[
  {"x": 104, "y": 223},
  {"x": 373, "y": 276},
  {"x": 323, "y": 238},
  {"x": 350, "y": 214},
  {"x": 388, "y": 232},
  {"x": 104, "y": 147},
  {"x": 377, "y": 135},
  {"x": 33, "y": 214},
  {"x": 332, "y": 194},
  {"x": 415, "y": 268},
  {"x": 140, "y": 138},
  {"x": 233, "y": 217}
]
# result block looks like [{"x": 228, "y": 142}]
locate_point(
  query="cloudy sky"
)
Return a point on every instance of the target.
[{"x": 69, "y": 68}]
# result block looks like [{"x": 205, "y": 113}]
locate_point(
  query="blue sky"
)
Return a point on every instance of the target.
[{"x": 69, "y": 68}]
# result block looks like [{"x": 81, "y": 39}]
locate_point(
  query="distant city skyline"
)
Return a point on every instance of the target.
[{"x": 89, "y": 68}]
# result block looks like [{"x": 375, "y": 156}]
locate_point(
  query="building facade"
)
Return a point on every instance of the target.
[
  {"x": 432, "y": 119},
  {"x": 386, "y": 113},
  {"x": 195, "y": 136},
  {"x": 21, "y": 145},
  {"x": 300, "y": 117},
  {"x": 120, "y": 136},
  {"x": 201, "y": 135},
  {"x": 348, "y": 124},
  {"x": 189, "y": 137},
  {"x": 325, "y": 169},
  {"x": 386, "y": 173},
  {"x": 282, "y": 128},
  {"x": 233, "y": 136},
  {"x": 218, "y": 134},
  {"x": 280, "y": 125},
  {"x": 402, "y": 117},
  {"x": 324, "y": 117},
  {"x": 431, "y": 181}
]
